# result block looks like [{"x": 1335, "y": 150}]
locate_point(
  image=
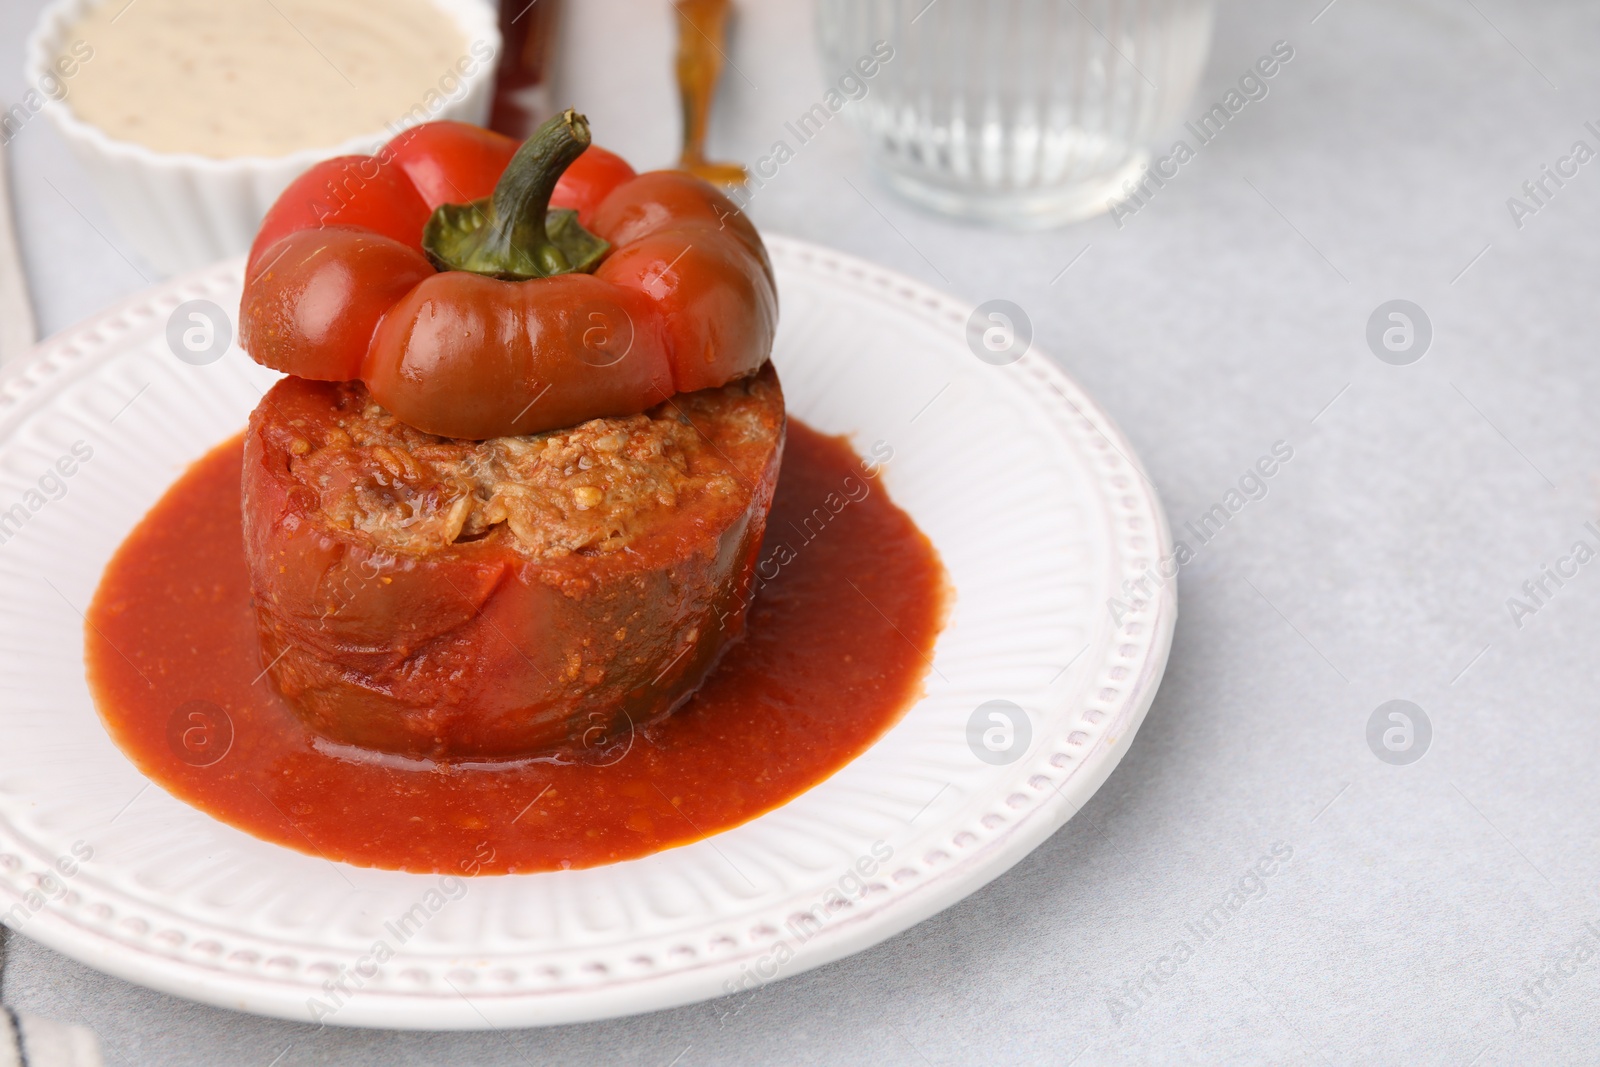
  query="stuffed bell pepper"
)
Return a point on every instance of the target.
[{"x": 508, "y": 499}]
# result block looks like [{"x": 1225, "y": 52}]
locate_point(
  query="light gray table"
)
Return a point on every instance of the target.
[{"x": 1430, "y": 913}]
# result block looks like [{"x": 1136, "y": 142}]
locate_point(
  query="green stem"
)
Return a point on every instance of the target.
[{"x": 513, "y": 234}]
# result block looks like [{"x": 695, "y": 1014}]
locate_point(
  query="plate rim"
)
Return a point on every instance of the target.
[{"x": 51, "y": 364}]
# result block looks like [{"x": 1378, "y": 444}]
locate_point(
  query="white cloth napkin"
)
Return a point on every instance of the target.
[
  {"x": 16, "y": 314},
  {"x": 29, "y": 1041}
]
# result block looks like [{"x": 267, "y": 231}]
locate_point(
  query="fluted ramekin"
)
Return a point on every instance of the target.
[{"x": 182, "y": 210}]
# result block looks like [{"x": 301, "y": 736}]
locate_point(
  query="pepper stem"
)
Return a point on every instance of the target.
[{"x": 513, "y": 234}]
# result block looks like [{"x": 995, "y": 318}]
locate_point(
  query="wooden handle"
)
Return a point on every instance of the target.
[{"x": 702, "y": 35}]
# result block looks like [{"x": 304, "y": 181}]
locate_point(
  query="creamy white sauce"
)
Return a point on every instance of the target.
[{"x": 227, "y": 78}]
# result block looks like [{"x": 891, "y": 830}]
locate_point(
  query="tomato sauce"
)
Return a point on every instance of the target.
[{"x": 849, "y": 601}]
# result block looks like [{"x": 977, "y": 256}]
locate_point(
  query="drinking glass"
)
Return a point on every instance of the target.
[{"x": 1025, "y": 113}]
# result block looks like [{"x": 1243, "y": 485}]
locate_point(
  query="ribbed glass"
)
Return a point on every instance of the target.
[{"x": 1016, "y": 111}]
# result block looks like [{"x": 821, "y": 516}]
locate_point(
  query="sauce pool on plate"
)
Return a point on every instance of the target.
[
  {"x": 228, "y": 78},
  {"x": 849, "y": 600}
]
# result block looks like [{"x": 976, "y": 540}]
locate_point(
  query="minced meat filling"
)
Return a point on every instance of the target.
[{"x": 588, "y": 488}]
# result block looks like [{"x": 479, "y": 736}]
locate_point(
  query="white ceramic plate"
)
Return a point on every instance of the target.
[{"x": 1030, "y": 493}]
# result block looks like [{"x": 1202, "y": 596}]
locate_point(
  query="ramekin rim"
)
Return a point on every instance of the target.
[{"x": 474, "y": 17}]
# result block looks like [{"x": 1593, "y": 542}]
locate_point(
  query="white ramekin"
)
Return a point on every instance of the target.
[{"x": 182, "y": 211}]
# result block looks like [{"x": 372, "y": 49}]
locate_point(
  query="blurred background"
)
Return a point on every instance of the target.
[{"x": 1440, "y": 460}]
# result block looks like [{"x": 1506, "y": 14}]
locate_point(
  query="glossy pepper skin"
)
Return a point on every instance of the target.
[
  {"x": 477, "y": 650},
  {"x": 675, "y": 295}
]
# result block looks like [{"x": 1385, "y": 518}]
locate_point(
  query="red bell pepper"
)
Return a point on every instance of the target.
[{"x": 482, "y": 289}]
